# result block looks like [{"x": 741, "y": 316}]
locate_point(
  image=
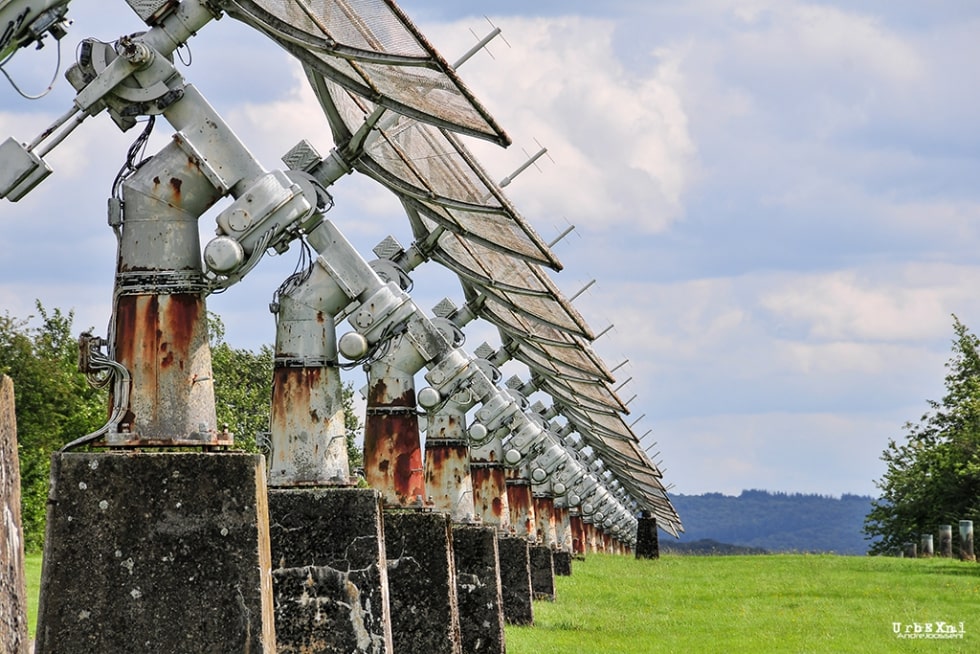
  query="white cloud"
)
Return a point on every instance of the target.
[
  {"x": 620, "y": 140},
  {"x": 899, "y": 303},
  {"x": 778, "y": 200}
]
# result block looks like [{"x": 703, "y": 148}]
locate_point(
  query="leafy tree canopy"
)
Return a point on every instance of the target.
[{"x": 932, "y": 476}]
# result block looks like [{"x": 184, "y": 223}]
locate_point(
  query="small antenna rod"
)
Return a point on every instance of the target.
[
  {"x": 619, "y": 365},
  {"x": 527, "y": 164},
  {"x": 584, "y": 289},
  {"x": 568, "y": 230},
  {"x": 603, "y": 333},
  {"x": 482, "y": 43}
]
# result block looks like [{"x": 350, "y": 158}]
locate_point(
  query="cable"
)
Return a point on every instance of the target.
[
  {"x": 131, "y": 165},
  {"x": 57, "y": 69}
]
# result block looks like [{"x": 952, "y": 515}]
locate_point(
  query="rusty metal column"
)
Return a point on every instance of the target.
[
  {"x": 159, "y": 331},
  {"x": 392, "y": 446},
  {"x": 490, "y": 484},
  {"x": 563, "y": 525},
  {"x": 520, "y": 503},
  {"x": 578, "y": 533},
  {"x": 544, "y": 515},
  {"x": 563, "y": 537},
  {"x": 308, "y": 442},
  {"x": 447, "y": 460}
]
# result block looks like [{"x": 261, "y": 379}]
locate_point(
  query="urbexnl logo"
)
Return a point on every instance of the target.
[{"x": 929, "y": 630}]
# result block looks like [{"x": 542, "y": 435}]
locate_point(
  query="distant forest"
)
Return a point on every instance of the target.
[{"x": 774, "y": 522}]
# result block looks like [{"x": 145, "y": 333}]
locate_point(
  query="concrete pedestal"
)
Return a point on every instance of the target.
[
  {"x": 13, "y": 593},
  {"x": 647, "y": 539},
  {"x": 515, "y": 580},
  {"x": 481, "y": 611},
  {"x": 966, "y": 541},
  {"x": 563, "y": 563},
  {"x": 156, "y": 552},
  {"x": 946, "y": 541},
  {"x": 422, "y": 583},
  {"x": 329, "y": 574},
  {"x": 542, "y": 573}
]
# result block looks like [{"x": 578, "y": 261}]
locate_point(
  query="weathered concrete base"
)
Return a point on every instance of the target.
[
  {"x": 13, "y": 593},
  {"x": 542, "y": 573},
  {"x": 156, "y": 552},
  {"x": 329, "y": 574},
  {"x": 481, "y": 610},
  {"x": 515, "y": 580},
  {"x": 647, "y": 539},
  {"x": 966, "y": 541},
  {"x": 422, "y": 583},
  {"x": 563, "y": 563}
]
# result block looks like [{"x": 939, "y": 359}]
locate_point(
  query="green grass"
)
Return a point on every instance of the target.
[
  {"x": 32, "y": 575},
  {"x": 767, "y": 604},
  {"x": 778, "y": 603}
]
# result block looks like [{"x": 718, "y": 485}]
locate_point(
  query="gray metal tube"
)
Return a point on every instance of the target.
[{"x": 159, "y": 317}]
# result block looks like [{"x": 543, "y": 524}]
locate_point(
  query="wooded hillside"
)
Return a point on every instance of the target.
[{"x": 776, "y": 522}]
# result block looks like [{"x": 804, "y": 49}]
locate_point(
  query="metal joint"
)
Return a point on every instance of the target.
[
  {"x": 391, "y": 411},
  {"x": 159, "y": 283},
  {"x": 304, "y": 362}
]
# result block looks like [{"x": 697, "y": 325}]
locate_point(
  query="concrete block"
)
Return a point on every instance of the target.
[
  {"x": 515, "y": 580},
  {"x": 542, "y": 573},
  {"x": 329, "y": 573},
  {"x": 161, "y": 552},
  {"x": 647, "y": 539},
  {"x": 422, "y": 583},
  {"x": 481, "y": 611},
  {"x": 13, "y": 593},
  {"x": 563, "y": 563}
]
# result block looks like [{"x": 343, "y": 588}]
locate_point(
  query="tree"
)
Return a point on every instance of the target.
[
  {"x": 54, "y": 403},
  {"x": 242, "y": 387},
  {"x": 933, "y": 477}
]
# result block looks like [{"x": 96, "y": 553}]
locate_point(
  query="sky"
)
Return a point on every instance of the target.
[{"x": 777, "y": 200}]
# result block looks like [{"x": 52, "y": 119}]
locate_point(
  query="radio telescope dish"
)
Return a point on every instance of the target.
[
  {"x": 371, "y": 48},
  {"x": 431, "y": 171},
  {"x": 394, "y": 107}
]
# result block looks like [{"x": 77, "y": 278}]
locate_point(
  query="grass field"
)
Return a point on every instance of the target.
[
  {"x": 777, "y": 603},
  {"x": 765, "y": 604}
]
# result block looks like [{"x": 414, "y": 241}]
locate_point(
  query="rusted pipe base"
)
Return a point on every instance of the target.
[
  {"x": 515, "y": 580},
  {"x": 422, "y": 583},
  {"x": 542, "y": 573},
  {"x": 156, "y": 553},
  {"x": 329, "y": 574},
  {"x": 481, "y": 611}
]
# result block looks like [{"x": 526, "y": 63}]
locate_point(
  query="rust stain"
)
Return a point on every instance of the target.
[
  {"x": 446, "y": 471},
  {"x": 392, "y": 447},
  {"x": 125, "y": 328},
  {"x": 521, "y": 506},
  {"x": 155, "y": 335},
  {"x": 292, "y": 388},
  {"x": 176, "y": 183},
  {"x": 182, "y": 313}
]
